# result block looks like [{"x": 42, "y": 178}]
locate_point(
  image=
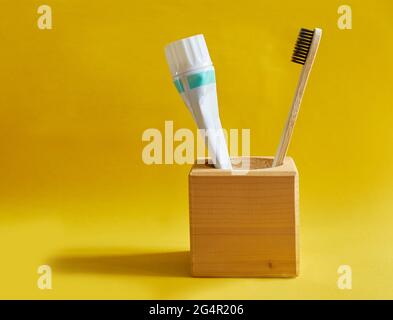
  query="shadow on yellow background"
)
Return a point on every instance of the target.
[{"x": 160, "y": 264}]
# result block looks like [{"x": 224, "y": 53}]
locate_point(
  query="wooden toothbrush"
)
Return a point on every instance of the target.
[{"x": 305, "y": 51}]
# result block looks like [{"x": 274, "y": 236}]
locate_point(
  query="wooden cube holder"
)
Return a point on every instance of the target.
[{"x": 244, "y": 223}]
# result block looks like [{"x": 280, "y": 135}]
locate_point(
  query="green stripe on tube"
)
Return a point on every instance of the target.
[
  {"x": 201, "y": 79},
  {"x": 179, "y": 85}
]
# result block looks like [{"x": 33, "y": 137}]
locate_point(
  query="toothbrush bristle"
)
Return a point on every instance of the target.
[{"x": 302, "y": 46}]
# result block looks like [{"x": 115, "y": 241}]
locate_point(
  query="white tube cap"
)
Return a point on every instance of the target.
[{"x": 187, "y": 54}]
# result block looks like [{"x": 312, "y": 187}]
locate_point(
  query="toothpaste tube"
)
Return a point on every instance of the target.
[{"x": 194, "y": 77}]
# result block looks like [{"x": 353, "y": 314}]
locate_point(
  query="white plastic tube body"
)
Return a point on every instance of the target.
[
  {"x": 203, "y": 105},
  {"x": 194, "y": 77}
]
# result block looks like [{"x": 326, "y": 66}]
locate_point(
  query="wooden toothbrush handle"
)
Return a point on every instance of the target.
[{"x": 290, "y": 124}]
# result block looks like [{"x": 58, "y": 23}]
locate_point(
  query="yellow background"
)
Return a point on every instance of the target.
[{"x": 74, "y": 101}]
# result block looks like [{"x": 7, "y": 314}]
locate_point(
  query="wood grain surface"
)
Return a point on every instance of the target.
[{"x": 244, "y": 225}]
